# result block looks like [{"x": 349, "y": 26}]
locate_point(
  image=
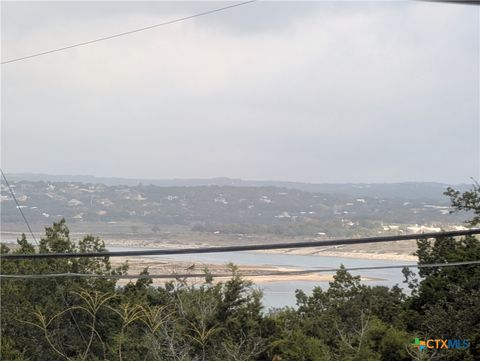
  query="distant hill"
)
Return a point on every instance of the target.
[
  {"x": 405, "y": 190},
  {"x": 231, "y": 208}
]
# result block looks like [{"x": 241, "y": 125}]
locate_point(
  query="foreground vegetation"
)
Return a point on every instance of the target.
[{"x": 95, "y": 319}]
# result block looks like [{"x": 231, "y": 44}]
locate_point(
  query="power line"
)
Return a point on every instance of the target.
[
  {"x": 18, "y": 205},
  {"x": 36, "y": 242},
  {"x": 459, "y": 2},
  {"x": 253, "y": 247},
  {"x": 126, "y": 33},
  {"x": 276, "y": 273},
  {"x": 474, "y": 2}
]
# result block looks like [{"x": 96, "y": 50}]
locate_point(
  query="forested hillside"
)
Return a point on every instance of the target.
[
  {"x": 410, "y": 190},
  {"x": 74, "y": 318},
  {"x": 223, "y": 208}
]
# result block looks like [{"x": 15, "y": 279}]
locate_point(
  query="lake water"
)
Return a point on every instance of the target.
[{"x": 282, "y": 293}]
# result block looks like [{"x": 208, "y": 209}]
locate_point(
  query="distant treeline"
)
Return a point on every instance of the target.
[
  {"x": 333, "y": 228},
  {"x": 248, "y": 209},
  {"x": 407, "y": 190}
]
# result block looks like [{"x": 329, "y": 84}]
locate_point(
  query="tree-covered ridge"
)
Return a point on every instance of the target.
[
  {"x": 96, "y": 319},
  {"x": 408, "y": 190},
  {"x": 221, "y": 208}
]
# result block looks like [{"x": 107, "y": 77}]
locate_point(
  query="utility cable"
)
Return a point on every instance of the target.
[
  {"x": 18, "y": 205},
  {"x": 125, "y": 33},
  {"x": 36, "y": 242},
  {"x": 252, "y": 247},
  {"x": 472, "y": 2},
  {"x": 276, "y": 273}
]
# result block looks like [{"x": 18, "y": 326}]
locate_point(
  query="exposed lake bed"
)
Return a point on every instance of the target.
[
  {"x": 277, "y": 272},
  {"x": 279, "y": 290}
]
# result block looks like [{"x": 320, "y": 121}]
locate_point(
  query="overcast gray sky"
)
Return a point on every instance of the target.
[{"x": 314, "y": 91}]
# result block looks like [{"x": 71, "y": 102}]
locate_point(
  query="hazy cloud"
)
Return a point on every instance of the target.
[{"x": 318, "y": 92}]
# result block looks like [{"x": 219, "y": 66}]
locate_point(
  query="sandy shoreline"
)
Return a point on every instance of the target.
[
  {"x": 346, "y": 254},
  {"x": 391, "y": 251},
  {"x": 343, "y": 252},
  {"x": 260, "y": 274},
  {"x": 220, "y": 272}
]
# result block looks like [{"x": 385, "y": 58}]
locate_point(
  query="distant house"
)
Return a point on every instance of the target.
[{"x": 74, "y": 202}]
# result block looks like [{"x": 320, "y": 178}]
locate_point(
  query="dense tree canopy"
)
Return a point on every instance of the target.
[{"x": 96, "y": 319}]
